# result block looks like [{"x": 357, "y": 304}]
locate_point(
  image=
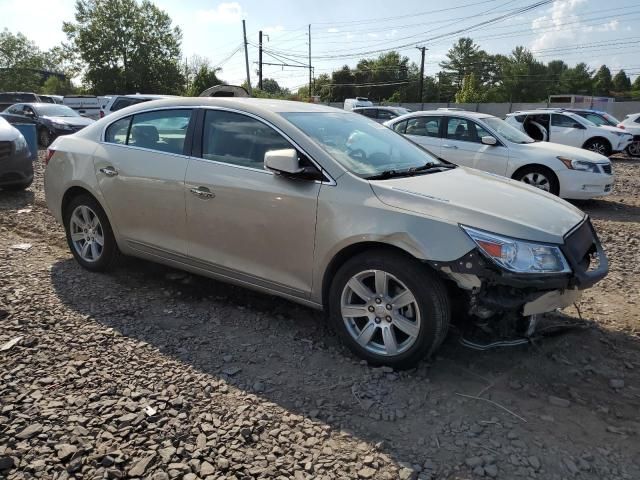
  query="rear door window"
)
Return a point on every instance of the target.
[
  {"x": 424, "y": 126},
  {"x": 162, "y": 130}
]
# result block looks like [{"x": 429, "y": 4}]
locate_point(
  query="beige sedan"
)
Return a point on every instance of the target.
[{"x": 323, "y": 207}]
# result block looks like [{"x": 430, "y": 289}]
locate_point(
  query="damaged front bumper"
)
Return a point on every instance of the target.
[{"x": 492, "y": 290}]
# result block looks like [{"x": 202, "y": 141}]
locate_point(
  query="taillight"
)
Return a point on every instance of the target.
[
  {"x": 621, "y": 126},
  {"x": 48, "y": 156}
]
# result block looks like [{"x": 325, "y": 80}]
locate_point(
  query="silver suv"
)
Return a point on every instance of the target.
[{"x": 272, "y": 195}]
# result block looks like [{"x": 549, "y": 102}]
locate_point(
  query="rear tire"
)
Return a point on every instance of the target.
[
  {"x": 89, "y": 234},
  {"x": 633, "y": 150},
  {"x": 406, "y": 316},
  {"x": 539, "y": 177},
  {"x": 599, "y": 145}
]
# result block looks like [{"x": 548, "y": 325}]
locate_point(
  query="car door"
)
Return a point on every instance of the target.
[
  {"x": 243, "y": 221},
  {"x": 566, "y": 130},
  {"x": 463, "y": 145},
  {"x": 140, "y": 168},
  {"x": 425, "y": 131}
]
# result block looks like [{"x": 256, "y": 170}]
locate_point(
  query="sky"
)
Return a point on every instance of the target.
[{"x": 590, "y": 31}]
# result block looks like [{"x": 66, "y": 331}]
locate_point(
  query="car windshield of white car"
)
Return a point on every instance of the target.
[
  {"x": 360, "y": 145},
  {"x": 508, "y": 132}
]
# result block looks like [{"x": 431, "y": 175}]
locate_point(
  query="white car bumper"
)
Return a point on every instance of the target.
[
  {"x": 623, "y": 143},
  {"x": 579, "y": 185}
]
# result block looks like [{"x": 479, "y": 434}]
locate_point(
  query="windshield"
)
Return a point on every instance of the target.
[
  {"x": 56, "y": 111},
  {"x": 360, "y": 145},
  {"x": 506, "y": 131}
]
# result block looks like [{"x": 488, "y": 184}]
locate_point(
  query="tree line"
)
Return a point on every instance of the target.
[{"x": 129, "y": 46}]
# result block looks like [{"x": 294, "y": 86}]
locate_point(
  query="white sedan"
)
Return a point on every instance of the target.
[{"x": 490, "y": 144}]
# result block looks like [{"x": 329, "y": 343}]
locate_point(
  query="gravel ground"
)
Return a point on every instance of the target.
[{"x": 151, "y": 373}]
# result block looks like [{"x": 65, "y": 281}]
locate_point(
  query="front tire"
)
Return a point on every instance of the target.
[
  {"x": 17, "y": 186},
  {"x": 89, "y": 234},
  {"x": 388, "y": 308},
  {"x": 44, "y": 138},
  {"x": 599, "y": 145},
  {"x": 539, "y": 177}
]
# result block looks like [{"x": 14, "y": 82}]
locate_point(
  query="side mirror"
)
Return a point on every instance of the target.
[
  {"x": 283, "y": 161},
  {"x": 489, "y": 140}
]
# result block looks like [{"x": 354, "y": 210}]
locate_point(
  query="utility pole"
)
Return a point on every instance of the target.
[
  {"x": 310, "y": 68},
  {"x": 246, "y": 56},
  {"x": 422, "y": 50},
  {"x": 260, "y": 60}
]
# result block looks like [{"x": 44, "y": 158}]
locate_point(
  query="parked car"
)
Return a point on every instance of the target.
[
  {"x": 566, "y": 128},
  {"x": 86, "y": 105},
  {"x": 490, "y": 144},
  {"x": 118, "y": 102},
  {"x": 381, "y": 114},
  {"x": 9, "y": 98},
  {"x": 51, "y": 120},
  {"x": 631, "y": 124},
  {"x": 264, "y": 193},
  {"x": 598, "y": 117},
  {"x": 51, "y": 99},
  {"x": 351, "y": 103},
  {"x": 16, "y": 166}
]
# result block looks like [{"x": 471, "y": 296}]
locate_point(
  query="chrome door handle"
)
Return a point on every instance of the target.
[
  {"x": 449, "y": 146},
  {"x": 109, "y": 171},
  {"x": 202, "y": 192}
]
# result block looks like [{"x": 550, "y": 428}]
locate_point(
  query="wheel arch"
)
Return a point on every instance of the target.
[
  {"x": 350, "y": 251},
  {"x": 600, "y": 138},
  {"x": 528, "y": 166}
]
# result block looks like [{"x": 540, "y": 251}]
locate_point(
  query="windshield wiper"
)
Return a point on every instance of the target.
[{"x": 426, "y": 168}]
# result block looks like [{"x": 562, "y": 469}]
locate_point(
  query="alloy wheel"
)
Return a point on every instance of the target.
[
  {"x": 87, "y": 234},
  {"x": 598, "y": 147},
  {"x": 380, "y": 313},
  {"x": 634, "y": 149},
  {"x": 537, "y": 180}
]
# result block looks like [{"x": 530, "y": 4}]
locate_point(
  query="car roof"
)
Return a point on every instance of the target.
[
  {"x": 255, "y": 105},
  {"x": 447, "y": 113},
  {"x": 144, "y": 95}
]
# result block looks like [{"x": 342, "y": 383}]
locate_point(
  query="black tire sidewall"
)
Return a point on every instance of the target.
[
  {"x": 603, "y": 142},
  {"x": 428, "y": 290},
  {"x": 110, "y": 250},
  {"x": 548, "y": 173},
  {"x": 628, "y": 150},
  {"x": 44, "y": 138}
]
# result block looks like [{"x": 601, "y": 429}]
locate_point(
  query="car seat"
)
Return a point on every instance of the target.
[{"x": 145, "y": 136}]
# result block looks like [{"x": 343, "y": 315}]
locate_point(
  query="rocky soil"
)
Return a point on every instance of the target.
[{"x": 147, "y": 372}]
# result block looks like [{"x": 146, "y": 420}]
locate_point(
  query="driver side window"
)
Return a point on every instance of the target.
[{"x": 237, "y": 139}]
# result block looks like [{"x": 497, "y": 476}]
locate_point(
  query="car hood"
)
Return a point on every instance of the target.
[
  {"x": 483, "y": 201},
  {"x": 547, "y": 150},
  {"x": 74, "y": 121},
  {"x": 613, "y": 129}
]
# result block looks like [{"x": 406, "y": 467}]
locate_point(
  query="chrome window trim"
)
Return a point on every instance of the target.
[{"x": 330, "y": 181}]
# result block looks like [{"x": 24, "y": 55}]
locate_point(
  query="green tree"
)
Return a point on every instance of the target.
[
  {"x": 206, "y": 77},
  {"x": 54, "y": 86},
  {"x": 20, "y": 63},
  {"x": 621, "y": 82},
  {"x": 523, "y": 77},
  {"x": 463, "y": 58},
  {"x": 602, "y": 81},
  {"x": 555, "y": 69},
  {"x": 470, "y": 91},
  {"x": 126, "y": 46},
  {"x": 577, "y": 80},
  {"x": 636, "y": 84}
]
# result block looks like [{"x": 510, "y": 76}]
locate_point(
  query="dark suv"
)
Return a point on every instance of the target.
[{"x": 10, "y": 98}]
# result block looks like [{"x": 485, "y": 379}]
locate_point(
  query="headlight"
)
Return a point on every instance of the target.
[
  {"x": 61, "y": 126},
  {"x": 581, "y": 165},
  {"x": 21, "y": 145},
  {"x": 517, "y": 255}
]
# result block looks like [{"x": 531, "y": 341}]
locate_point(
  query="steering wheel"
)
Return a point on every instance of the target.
[{"x": 357, "y": 154}]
